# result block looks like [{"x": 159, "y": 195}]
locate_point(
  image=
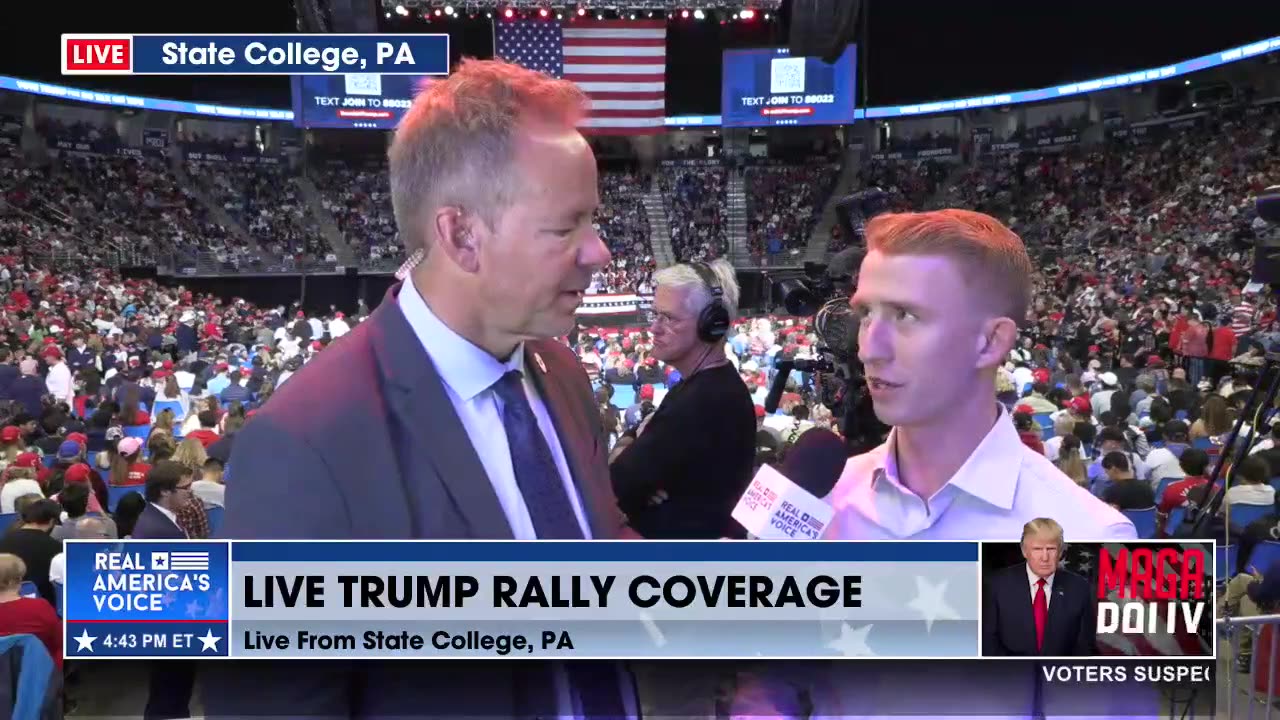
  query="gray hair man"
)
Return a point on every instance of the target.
[{"x": 693, "y": 458}]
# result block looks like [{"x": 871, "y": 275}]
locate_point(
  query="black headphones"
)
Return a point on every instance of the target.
[{"x": 713, "y": 321}]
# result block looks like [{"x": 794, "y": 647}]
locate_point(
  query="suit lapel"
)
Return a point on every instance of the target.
[
  {"x": 573, "y": 431},
  {"x": 433, "y": 435},
  {"x": 1026, "y": 601}
]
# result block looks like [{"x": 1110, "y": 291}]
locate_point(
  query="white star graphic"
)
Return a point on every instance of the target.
[
  {"x": 84, "y": 641},
  {"x": 852, "y": 643},
  {"x": 209, "y": 641},
  {"x": 930, "y": 603}
]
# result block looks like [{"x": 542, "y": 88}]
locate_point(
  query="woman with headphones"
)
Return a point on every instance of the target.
[{"x": 692, "y": 459}]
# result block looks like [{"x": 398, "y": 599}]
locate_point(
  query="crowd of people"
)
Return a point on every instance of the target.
[
  {"x": 623, "y": 224},
  {"x": 359, "y": 198},
  {"x": 266, "y": 202},
  {"x": 695, "y": 197},
  {"x": 783, "y": 204}
]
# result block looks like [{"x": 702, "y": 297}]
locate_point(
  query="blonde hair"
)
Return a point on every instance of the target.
[
  {"x": 1042, "y": 527},
  {"x": 191, "y": 454},
  {"x": 990, "y": 255},
  {"x": 12, "y": 572},
  {"x": 1064, "y": 425},
  {"x": 455, "y": 146}
]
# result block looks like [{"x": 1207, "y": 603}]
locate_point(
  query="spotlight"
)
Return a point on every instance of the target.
[
  {"x": 401, "y": 10},
  {"x": 698, "y": 14},
  {"x": 542, "y": 12},
  {"x": 508, "y": 13},
  {"x": 448, "y": 10},
  {"x": 559, "y": 16},
  {"x": 684, "y": 14},
  {"x": 747, "y": 14},
  {"x": 581, "y": 11},
  {"x": 439, "y": 12}
]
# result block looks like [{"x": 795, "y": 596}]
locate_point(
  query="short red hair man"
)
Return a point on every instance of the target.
[{"x": 940, "y": 296}]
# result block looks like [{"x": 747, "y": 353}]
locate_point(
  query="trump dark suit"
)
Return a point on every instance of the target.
[
  {"x": 364, "y": 443},
  {"x": 1008, "y": 621}
]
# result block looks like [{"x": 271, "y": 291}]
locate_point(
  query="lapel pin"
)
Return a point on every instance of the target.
[{"x": 541, "y": 365}]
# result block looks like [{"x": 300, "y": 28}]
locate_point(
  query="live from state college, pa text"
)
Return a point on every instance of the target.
[{"x": 378, "y": 640}]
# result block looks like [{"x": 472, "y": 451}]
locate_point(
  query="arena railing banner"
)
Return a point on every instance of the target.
[
  {"x": 1059, "y": 140},
  {"x": 101, "y": 148},
  {"x": 1159, "y": 128},
  {"x": 231, "y": 157},
  {"x": 694, "y": 162},
  {"x": 921, "y": 154},
  {"x": 619, "y": 599}
]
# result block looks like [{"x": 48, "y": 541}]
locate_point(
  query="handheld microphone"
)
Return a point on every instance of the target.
[{"x": 788, "y": 504}]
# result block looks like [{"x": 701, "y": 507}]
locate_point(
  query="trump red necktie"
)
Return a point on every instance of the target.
[{"x": 1040, "y": 609}]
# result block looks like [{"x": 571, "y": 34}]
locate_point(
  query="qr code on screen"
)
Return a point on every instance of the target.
[
  {"x": 364, "y": 84},
  {"x": 786, "y": 76}
]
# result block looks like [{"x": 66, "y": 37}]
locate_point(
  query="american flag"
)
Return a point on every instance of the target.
[{"x": 620, "y": 64}]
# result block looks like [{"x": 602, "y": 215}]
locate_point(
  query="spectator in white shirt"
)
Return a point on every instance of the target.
[
  {"x": 19, "y": 480},
  {"x": 1251, "y": 484},
  {"x": 209, "y": 489},
  {"x": 58, "y": 381},
  {"x": 338, "y": 326},
  {"x": 1164, "y": 461}
]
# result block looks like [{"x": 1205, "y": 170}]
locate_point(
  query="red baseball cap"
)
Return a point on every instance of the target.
[
  {"x": 78, "y": 473},
  {"x": 10, "y": 433},
  {"x": 1080, "y": 405},
  {"x": 26, "y": 460}
]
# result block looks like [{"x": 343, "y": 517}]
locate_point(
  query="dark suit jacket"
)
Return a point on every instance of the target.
[
  {"x": 153, "y": 525},
  {"x": 1009, "y": 626},
  {"x": 364, "y": 443}
]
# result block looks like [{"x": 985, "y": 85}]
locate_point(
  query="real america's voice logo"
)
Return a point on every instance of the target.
[
  {"x": 139, "y": 581},
  {"x": 146, "y": 598}
]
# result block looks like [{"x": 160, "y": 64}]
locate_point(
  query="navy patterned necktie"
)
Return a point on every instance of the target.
[{"x": 536, "y": 473}]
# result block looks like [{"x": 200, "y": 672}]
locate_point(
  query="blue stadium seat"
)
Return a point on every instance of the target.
[
  {"x": 1240, "y": 515},
  {"x": 624, "y": 396},
  {"x": 174, "y": 405},
  {"x": 116, "y": 493},
  {"x": 137, "y": 431},
  {"x": 1045, "y": 421},
  {"x": 215, "y": 519},
  {"x": 28, "y": 589},
  {"x": 1205, "y": 444},
  {"x": 1264, "y": 556},
  {"x": 6, "y": 520},
  {"x": 1175, "y": 519},
  {"x": 1164, "y": 485},
  {"x": 1144, "y": 521}
]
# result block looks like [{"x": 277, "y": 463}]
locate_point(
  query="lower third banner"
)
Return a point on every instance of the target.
[
  {"x": 522, "y": 600},
  {"x": 146, "y": 599}
]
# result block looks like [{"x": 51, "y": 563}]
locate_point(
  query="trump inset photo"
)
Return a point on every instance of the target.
[{"x": 1046, "y": 597}]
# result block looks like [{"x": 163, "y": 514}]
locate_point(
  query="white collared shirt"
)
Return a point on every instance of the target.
[
  {"x": 1033, "y": 578},
  {"x": 999, "y": 488},
  {"x": 469, "y": 374}
]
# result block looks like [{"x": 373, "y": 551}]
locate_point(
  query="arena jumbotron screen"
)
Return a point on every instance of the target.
[
  {"x": 767, "y": 86},
  {"x": 364, "y": 100}
]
